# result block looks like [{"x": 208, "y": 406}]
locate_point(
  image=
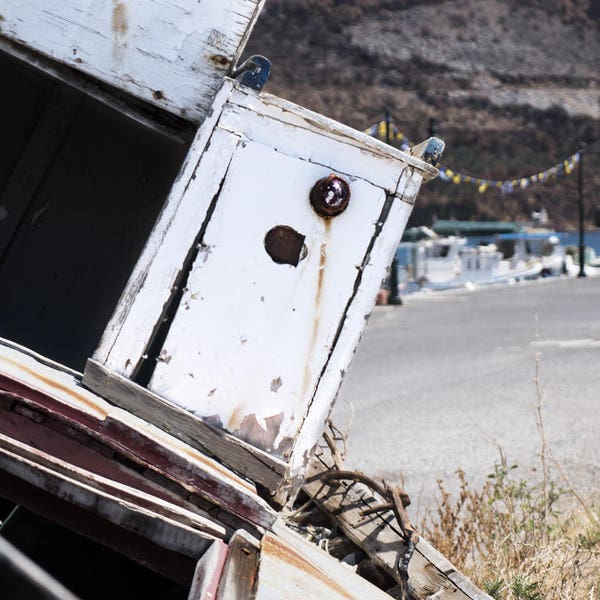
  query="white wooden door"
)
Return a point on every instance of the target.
[
  {"x": 252, "y": 336},
  {"x": 247, "y": 304}
]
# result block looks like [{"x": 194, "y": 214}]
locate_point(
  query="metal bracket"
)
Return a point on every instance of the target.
[
  {"x": 429, "y": 151},
  {"x": 254, "y": 72}
]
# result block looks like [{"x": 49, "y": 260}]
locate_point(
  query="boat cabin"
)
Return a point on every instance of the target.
[{"x": 187, "y": 265}]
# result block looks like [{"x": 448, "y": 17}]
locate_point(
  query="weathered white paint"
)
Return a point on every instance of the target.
[
  {"x": 253, "y": 340},
  {"x": 288, "y": 128},
  {"x": 172, "y": 53},
  {"x": 251, "y": 336},
  {"x": 356, "y": 317}
]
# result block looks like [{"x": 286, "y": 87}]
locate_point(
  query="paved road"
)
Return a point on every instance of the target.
[{"x": 445, "y": 380}]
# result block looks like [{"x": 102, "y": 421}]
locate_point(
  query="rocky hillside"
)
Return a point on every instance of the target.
[{"x": 512, "y": 86}]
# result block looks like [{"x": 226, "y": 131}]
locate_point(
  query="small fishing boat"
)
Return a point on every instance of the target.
[
  {"x": 180, "y": 304},
  {"x": 447, "y": 262}
]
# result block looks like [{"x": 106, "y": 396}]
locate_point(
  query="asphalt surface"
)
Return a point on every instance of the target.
[{"x": 446, "y": 381}]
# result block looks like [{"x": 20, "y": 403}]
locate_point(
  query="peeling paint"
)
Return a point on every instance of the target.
[
  {"x": 55, "y": 386},
  {"x": 204, "y": 252},
  {"x": 276, "y": 384},
  {"x": 165, "y": 357},
  {"x": 216, "y": 38},
  {"x": 236, "y": 419},
  {"x": 254, "y": 432}
]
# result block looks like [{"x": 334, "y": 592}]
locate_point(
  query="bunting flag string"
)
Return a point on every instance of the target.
[{"x": 506, "y": 186}]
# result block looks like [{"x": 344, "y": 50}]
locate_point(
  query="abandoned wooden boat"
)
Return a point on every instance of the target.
[{"x": 146, "y": 176}]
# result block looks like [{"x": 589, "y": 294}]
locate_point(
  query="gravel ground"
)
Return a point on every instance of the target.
[{"x": 447, "y": 381}]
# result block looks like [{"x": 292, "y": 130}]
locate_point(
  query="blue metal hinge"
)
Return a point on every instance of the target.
[{"x": 254, "y": 72}]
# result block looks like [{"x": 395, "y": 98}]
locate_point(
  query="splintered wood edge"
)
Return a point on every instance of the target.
[{"x": 256, "y": 465}]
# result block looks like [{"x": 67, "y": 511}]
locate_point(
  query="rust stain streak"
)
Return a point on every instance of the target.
[
  {"x": 236, "y": 418},
  {"x": 119, "y": 19},
  {"x": 317, "y": 318},
  {"x": 282, "y": 551},
  {"x": 119, "y": 26},
  {"x": 56, "y": 386}
]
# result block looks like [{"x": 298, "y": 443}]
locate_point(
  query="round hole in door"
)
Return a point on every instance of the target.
[{"x": 285, "y": 245}]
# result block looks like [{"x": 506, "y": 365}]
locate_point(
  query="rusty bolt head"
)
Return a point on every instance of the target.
[{"x": 330, "y": 196}]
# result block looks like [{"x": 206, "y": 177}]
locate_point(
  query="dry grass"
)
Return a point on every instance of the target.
[
  {"x": 512, "y": 540},
  {"x": 520, "y": 539}
]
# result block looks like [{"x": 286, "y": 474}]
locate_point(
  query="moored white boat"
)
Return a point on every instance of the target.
[{"x": 438, "y": 263}]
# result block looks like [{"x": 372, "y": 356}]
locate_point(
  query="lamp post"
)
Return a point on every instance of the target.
[{"x": 581, "y": 218}]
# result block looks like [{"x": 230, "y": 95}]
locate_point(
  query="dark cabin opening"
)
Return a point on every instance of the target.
[
  {"x": 81, "y": 186},
  {"x": 88, "y": 569}
]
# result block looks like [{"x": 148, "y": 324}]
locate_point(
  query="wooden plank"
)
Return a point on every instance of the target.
[
  {"x": 238, "y": 581},
  {"x": 58, "y": 392},
  {"x": 171, "y": 54},
  {"x": 161, "y": 530},
  {"x": 292, "y": 568},
  {"x": 168, "y": 124},
  {"x": 258, "y": 466},
  {"x": 430, "y": 575},
  {"x": 120, "y": 491},
  {"x": 37, "y": 155},
  {"x": 24, "y": 421},
  {"x": 208, "y": 572}
]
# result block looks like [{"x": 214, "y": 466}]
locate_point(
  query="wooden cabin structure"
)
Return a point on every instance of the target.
[{"x": 187, "y": 264}]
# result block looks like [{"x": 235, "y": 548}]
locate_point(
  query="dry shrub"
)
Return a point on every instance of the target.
[{"x": 510, "y": 537}]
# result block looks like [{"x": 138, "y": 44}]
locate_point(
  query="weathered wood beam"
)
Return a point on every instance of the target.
[
  {"x": 25, "y": 422},
  {"x": 57, "y": 393},
  {"x": 431, "y": 575},
  {"x": 247, "y": 460},
  {"x": 238, "y": 581},
  {"x": 173, "y": 55},
  {"x": 161, "y": 530},
  {"x": 120, "y": 491},
  {"x": 167, "y": 124}
]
